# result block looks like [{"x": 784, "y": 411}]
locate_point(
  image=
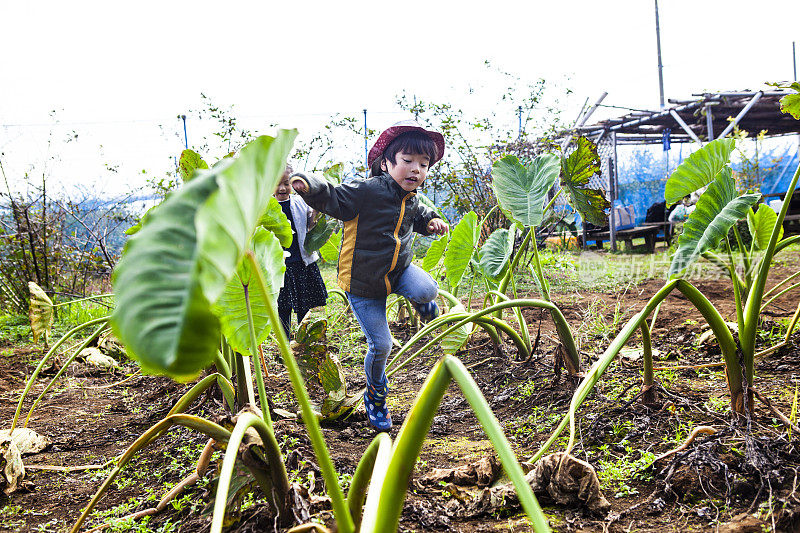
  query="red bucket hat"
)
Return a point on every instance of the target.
[{"x": 403, "y": 126}]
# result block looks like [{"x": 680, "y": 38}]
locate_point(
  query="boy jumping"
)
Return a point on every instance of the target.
[{"x": 380, "y": 214}]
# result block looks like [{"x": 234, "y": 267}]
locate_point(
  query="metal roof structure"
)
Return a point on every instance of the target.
[{"x": 706, "y": 117}]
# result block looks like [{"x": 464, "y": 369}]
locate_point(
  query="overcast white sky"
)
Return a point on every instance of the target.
[{"x": 117, "y": 74}]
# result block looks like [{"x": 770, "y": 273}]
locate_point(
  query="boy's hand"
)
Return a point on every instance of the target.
[
  {"x": 299, "y": 184},
  {"x": 437, "y": 226}
]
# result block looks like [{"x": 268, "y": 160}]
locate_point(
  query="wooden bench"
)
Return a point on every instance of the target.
[
  {"x": 665, "y": 227},
  {"x": 649, "y": 234}
]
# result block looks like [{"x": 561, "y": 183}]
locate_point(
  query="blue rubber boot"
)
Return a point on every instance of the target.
[
  {"x": 375, "y": 405},
  {"x": 428, "y": 311}
]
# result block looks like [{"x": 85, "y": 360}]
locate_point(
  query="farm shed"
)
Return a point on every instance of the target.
[{"x": 705, "y": 117}]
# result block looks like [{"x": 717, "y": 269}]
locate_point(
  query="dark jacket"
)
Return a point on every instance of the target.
[{"x": 379, "y": 218}]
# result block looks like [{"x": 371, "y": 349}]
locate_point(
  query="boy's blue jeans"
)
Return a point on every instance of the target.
[{"x": 416, "y": 285}]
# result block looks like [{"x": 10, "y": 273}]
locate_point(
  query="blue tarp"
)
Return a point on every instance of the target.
[{"x": 643, "y": 173}]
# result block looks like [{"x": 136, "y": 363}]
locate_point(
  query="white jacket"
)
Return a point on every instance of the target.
[{"x": 301, "y": 215}]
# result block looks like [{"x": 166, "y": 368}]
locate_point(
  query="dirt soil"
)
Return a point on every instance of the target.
[{"x": 742, "y": 478}]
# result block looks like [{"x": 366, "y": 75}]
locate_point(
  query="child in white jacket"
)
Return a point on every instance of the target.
[{"x": 303, "y": 287}]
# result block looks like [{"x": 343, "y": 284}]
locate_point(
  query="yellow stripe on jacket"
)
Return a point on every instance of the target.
[{"x": 346, "y": 253}]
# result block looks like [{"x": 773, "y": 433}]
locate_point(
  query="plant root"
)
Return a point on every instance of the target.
[
  {"x": 704, "y": 430},
  {"x": 112, "y": 385},
  {"x": 82, "y": 468},
  {"x": 782, "y": 417}
]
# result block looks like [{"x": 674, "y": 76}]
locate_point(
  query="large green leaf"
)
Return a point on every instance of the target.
[
  {"x": 189, "y": 162},
  {"x": 334, "y": 173},
  {"x": 717, "y": 210},
  {"x": 231, "y": 308},
  {"x": 40, "y": 312},
  {"x": 434, "y": 253},
  {"x": 761, "y": 223},
  {"x": 182, "y": 258},
  {"x": 576, "y": 171},
  {"x": 228, "y": 218},
  {"x": 495, "y": 254},
  {"x": 330, "y": 250},
  {"x": 161, "y": 315},
  {"x": 322, "y": 369},
  {"x": 456, "y": 339},
  {"x": 521, "y": 191},
  {"x": 698, "y": 170},
  {"x": 791, "y": 102},
  {"x": 461, "y": 248},
  {"x": 275, "y": 221},
  {"x": 320, "y": 233}
]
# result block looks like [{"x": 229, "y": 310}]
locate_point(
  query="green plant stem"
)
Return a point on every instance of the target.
[
  {"x": 227, "y": 353},
  {"x": 737, "y": 295},
  {"x": 371, "y": 471},
  {"x": 340, "y": 293},
  {"x": 715, "y": 320},
  {"x": 562, "y": 326},
  {"x": 747, "y": 335},
  {"x": 523, "y": 325},
  {"x": 655, "y": 316},
  {"x": 88, "y": 298},
  {"x": 552, "y": 200},
  {"x": 406, "y": 451},
  {"x": 244, "y": 389},
  {"x": 537, "y": 268},
  {"x": 716, "y": 260},
  {"x": 262, "y": 393},
  {"x": 489, "y": 324},
  {"x": 471, "y": 287},
  {"x": 63, "y": 369},
  {"x": 411, "y": 437},
  {"x": 784, "y": 291},
  {"x": 495, "y": 433},
  {"x": 344, "y": 521},
  {"x": 279, "y": 480},
  {"x": 514, "y": 262},
  {"x": 451, "y": 300},
  {"x": 471, "y": 317},
  {"x": 222, "y": 366},
  {"x": 788, "y": 241},
  {"x": 198, "y": 388},
  {"x": 779, "y": 285},
  {"x": 202, "y": 425},
  {"x": 748, "y": 272},
  {"x": 47, "y": 357},
  {"x": 792, "y": 323}
]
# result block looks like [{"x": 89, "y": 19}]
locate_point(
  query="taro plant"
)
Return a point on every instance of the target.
[
  {"x": 172, "y": 288},
  {"x": 523, "y": 192},
  {"x": 41, "y": 310},
  {"x": 325, "y": 235},
  {"x": 718, "y": 209}
]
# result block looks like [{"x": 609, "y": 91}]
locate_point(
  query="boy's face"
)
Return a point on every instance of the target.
[
  {"x": 409, "y": 170},
  {"x": 284, "y": 189}
]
